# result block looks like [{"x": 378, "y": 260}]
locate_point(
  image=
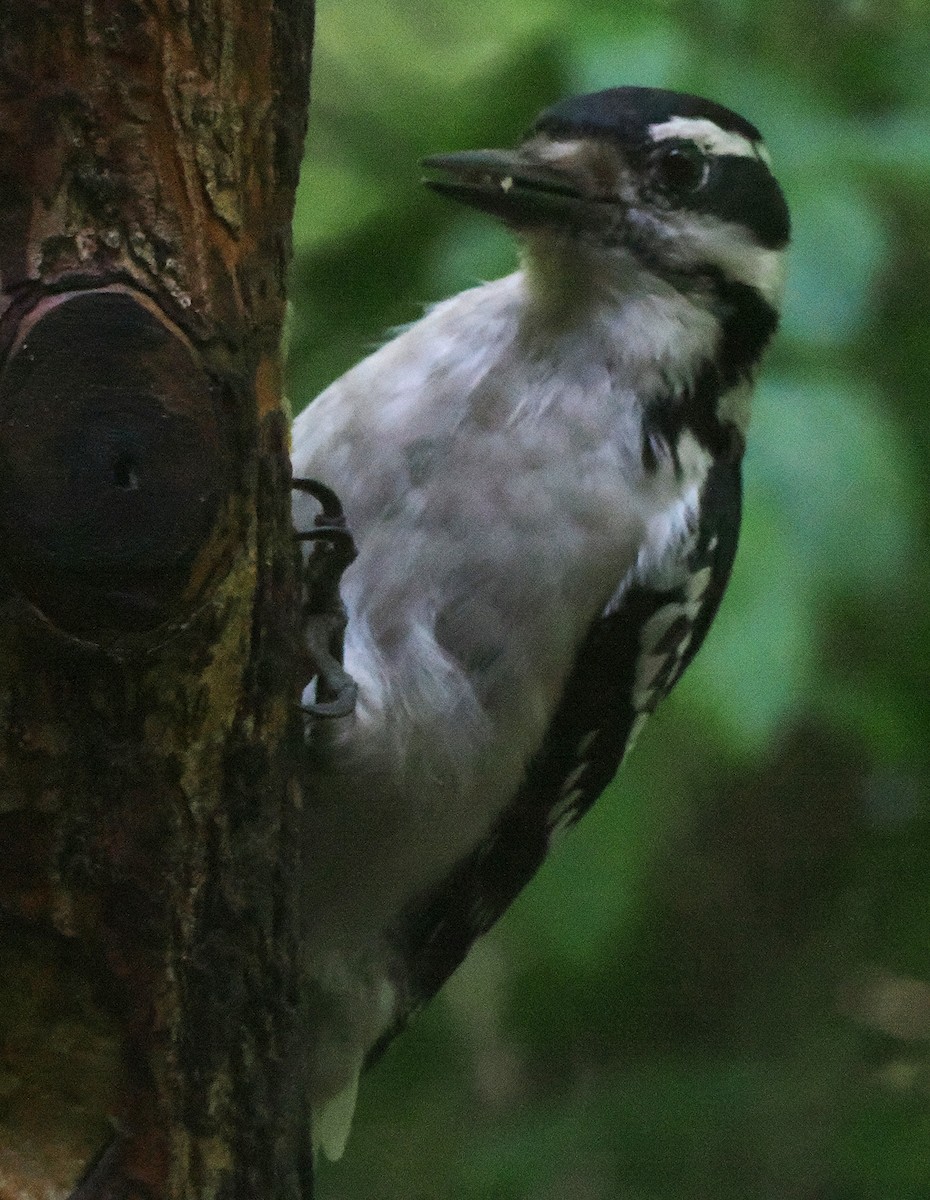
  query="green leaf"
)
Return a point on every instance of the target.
[
  {"x": 839, "y": 246},
  {"x": 829, "y": 461}
]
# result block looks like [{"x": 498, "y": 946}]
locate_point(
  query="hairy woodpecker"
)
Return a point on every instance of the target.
[{"x": 543, "y": 480}]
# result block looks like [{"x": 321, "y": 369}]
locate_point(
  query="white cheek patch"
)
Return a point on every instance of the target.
[
  {"x": 705, "y": 238},
  {"x": 709, "y": 137},
  {"x": 770, "y": 275}
]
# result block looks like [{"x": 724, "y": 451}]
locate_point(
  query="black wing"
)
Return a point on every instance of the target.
[{"x": 631, "y": 658}]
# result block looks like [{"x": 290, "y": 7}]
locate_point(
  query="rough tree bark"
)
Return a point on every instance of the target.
[{"x": 149, "y": 857}]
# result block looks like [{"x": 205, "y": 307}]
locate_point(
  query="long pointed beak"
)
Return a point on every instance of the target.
[{"x": 508, "y": 185}]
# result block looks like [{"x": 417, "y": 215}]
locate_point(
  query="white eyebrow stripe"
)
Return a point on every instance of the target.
[{"x": 709, "y": 137}]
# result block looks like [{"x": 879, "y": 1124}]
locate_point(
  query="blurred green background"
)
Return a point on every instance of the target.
[{"x": 720, "y": 987}]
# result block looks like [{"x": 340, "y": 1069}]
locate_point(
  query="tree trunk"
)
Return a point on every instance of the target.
[{"x": 150, "y": 1024}]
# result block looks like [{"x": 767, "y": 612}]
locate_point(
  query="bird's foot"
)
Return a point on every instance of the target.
[{"x": 324, "y": 618}]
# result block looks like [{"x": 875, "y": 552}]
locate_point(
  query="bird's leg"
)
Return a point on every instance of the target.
[{"x": 323, "y": 616}]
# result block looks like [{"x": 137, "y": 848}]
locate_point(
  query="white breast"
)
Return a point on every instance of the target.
[{"x": 497, "y": 495}]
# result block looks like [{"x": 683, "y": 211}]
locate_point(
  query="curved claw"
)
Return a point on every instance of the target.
[
  {"x": 342, "y": 704},
  {"x": 336, "y": 690},
  {"x": 327, "y": 499},
  {"x": 329, "y": 525}
]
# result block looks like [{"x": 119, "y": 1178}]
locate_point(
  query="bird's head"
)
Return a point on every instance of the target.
[{"x": 635, "y": 179}]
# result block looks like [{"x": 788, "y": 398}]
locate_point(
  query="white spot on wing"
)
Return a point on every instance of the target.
[
  {"x": 563, "y": 817},
  {"x": 565, "y": 809},
  {"x": 698, "y": 583},
  {"x": 572, "y": 778},
  {"x": 636, "y": 729},
  {"x": 647, "y": 670},
  {"x": 658, "y": 625},
  {"x": 650, "y": 666},
  {"x": 586, "y": 743}
]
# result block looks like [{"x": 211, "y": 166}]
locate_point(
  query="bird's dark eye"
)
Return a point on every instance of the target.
[{"x": 679, "y": 168}]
